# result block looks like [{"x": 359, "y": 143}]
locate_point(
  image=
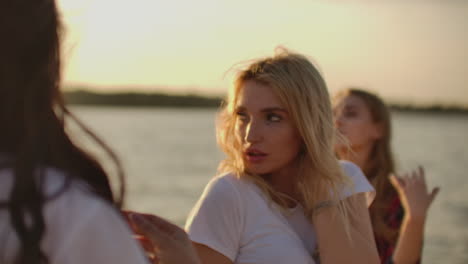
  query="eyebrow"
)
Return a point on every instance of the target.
[
  {"x": 267, "y": 109},
  {"x": 273, "y": 109},
  {"x": 351, "y": 107}
]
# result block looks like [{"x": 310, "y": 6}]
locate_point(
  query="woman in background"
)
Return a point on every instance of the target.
[
  {"x": 56, "y": 202},
  {"x": 281, "y": 190},
  {"x": 400, "y": 208}
]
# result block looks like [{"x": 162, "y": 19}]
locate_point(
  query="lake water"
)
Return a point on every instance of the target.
[{"x": 170, "y": 154}]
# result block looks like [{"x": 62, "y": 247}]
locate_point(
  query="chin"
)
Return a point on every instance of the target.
[{"x": 259, "y": 170}]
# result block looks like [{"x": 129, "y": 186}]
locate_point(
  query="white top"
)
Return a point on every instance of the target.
[
  {"x": 81, "y": 228},
  {"x": 236, "y": 219}
]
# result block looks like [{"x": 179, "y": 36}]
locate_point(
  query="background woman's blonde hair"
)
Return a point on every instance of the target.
[
  {"x": 303, "y": 92},
  {"x": 381, "y": 163}
]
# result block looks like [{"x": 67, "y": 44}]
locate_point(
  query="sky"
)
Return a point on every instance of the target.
[{"x": 411, "y": 51}]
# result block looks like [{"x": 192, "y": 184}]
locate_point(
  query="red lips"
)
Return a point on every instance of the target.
[{"x": 254, "y": 155}]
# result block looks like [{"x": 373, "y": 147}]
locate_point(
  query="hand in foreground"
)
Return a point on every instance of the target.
[
  {"x": 164, "y": 242},
  {"x": 413, "y": 193}
]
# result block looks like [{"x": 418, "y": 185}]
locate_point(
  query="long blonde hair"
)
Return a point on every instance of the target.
[
  {"x": 380, "y": 164},
  {"x": 303, "y": 92}
]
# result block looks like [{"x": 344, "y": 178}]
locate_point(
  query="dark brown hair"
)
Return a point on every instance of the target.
[
  {"x": 32, "y": 116},
  {"x": 380, "y": 164}
]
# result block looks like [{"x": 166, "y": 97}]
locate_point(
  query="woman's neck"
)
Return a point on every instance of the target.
[
  {"x": 358, "y": 155},
  {"x": 283, "y": 182}
]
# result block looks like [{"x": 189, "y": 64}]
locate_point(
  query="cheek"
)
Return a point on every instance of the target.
[
  {"x": 355, "y": 126},
  {"x": 288, "y": 142},
  {"x": 239, "y": 131},
  {"x": 359, "y": 133},
  {"x": 358, "y": 128}
]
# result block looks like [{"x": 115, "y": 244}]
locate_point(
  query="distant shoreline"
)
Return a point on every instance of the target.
[
  {"x": 133, "y": 99},
  {"x": 434, "y": 109},
  {"x": 137, "y": 99}
]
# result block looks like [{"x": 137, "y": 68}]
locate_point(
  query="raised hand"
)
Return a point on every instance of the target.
[{"x": 413, "y": 193}]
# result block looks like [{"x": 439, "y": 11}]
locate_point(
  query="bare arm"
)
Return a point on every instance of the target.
[
  {"x": 335, "y": 246},
  {"x": 414, "y": 196},
  {"x": 410, "y": 242},
  {"x": 210, "y": 256}
]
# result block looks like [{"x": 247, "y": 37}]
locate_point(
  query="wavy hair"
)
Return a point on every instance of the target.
[{"x": 303, "y": 92}]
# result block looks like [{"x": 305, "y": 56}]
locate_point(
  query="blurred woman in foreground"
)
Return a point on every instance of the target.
[{"x": 56, "y": 201}]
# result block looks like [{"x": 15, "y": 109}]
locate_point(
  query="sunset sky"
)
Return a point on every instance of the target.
[{"x": 413, "y": 51}]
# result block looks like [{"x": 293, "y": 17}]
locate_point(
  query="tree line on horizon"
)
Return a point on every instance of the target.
[
  {"x": 136, "y": 99},
  {"x": 82, "y": 97}
]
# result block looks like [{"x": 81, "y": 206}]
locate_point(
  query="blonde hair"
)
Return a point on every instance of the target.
[
  {"x": 380, "y": 164},
  {"x": 303, "y": 92}
]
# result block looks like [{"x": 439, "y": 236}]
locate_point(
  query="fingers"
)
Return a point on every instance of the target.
[
  {"x": 422, "y": 177},
  {"x": 161, "y": 224},
  {"x": 148, "y": 247},
  {"x": 133, "y": 219},
  {"x": 434, "y": 193},
  {"x": 126, "y": 214},
  {"x": 413, "y": 184},
  {"x": 159, "y": 231},
  {"x": 415, "y": 178},
  {"x": 421, "y": 171},
  {"x": 144, "y": 243},
  {"x": 148, "y": 229}
]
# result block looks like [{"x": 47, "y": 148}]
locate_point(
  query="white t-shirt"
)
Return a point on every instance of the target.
[
  {"x": 81, "y": 228},
  {"x": 236, "y": 219}
]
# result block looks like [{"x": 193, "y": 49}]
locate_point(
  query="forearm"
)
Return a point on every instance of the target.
[
  {"x": 410, "y": 242},
  {"x": 208, "y": 255},
  {"x": 335, "y": 247},
  {"x": 338, "y": 246}
]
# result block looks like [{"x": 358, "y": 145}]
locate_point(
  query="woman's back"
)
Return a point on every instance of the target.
[{"x": 80, "y": 227}]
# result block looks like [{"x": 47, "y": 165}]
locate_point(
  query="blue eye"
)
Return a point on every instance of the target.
[
  {"x": 273, "y": 118},
  {"x": 242, "y": 116}
]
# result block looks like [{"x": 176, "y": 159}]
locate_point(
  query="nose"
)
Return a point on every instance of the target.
[
  {"x": 253, "y": 132},
  {"x": 338, "y": 119}
]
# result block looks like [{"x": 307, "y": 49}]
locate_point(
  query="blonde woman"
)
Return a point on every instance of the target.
[
  {"x": 400, "y": 208},
  {"x": 281, "y": 191}
]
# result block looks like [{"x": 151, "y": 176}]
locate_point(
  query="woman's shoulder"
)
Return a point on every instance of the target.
[
  {"x": 354, "y": 172},
  {"x": 349, "y": 167},
  {"x": 51, "y": 180},
  {"x": 228, "y": 189},
  {"x": 76, "y": 214},
  {"x": 360, "y": 183},
  {"x": 229, "y": 181},
  {"x": 60, "y": 189},
  {"x": 223, "y": 195}
]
